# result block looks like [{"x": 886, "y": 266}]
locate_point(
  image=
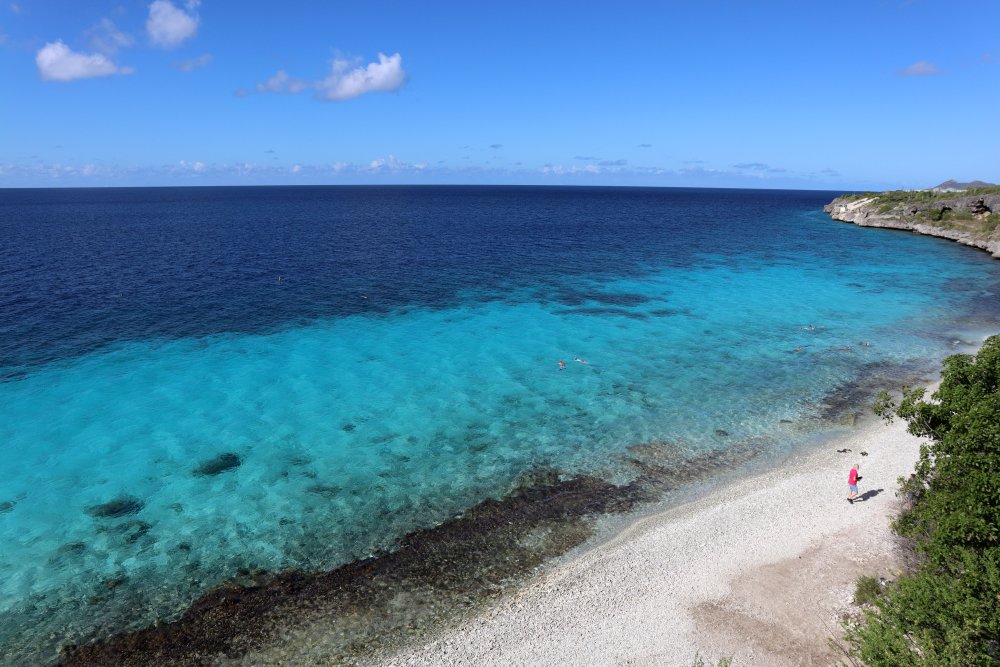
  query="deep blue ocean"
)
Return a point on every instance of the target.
[{"x": 198, "y": 380}]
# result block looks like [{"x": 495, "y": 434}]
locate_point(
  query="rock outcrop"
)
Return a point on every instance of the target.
[{"x": 969, "y": 218}]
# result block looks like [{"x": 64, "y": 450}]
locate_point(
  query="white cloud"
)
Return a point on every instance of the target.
[
  {"x": 199, "y": 169},
  {"x": 296, "y": 168},
  {"x": 560, "y": 170},
  {"x": 282, "y": 83},
  {"x": 394, "y": 164},
  {"x": 347, "y": 79},
  {"x": 195, "y": 63},
  {"x": 919, "y": 68},
  {"x": 197, "y": 165},
  {"x": 15, "y": 8},
  {"x": 169, "y": 25},
  {"x": 57, "y": 62},
  {"x": 57, "y": 171},
  {"x": 107, "y": 38}
]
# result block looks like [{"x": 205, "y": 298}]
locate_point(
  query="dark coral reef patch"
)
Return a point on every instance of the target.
[
  {"x": 462, "y": 562},
  {"x": 119, "y": 507},
  {"x": 218, "y": 465}
]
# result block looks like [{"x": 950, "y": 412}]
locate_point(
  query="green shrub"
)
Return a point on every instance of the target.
[
  {"x": 937, "y": 617},
  {"x": 886, "y": 201},
  {"x": 991, "y": 223},
  {"x": 988, "y": 190},
  {"x": 947, "y": 611},
  {"x": 866, "y": 590}
]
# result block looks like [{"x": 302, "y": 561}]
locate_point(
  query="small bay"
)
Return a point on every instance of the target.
[{"x": 196, "y": 382}]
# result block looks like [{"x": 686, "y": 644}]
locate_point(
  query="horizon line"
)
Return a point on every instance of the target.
[{"x": 426, "y": 185}]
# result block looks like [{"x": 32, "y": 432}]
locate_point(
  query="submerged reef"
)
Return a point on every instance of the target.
[
  {"x": 467, "y": 558},
  {"x": 119, "y": 507},
  {"x": 218, "y": 465},
  {"x": 371, "y": 607}
]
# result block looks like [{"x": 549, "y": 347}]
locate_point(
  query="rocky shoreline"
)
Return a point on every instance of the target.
[
  {"x": 355, "y": 614},
  {"x": 971, "y": 218}
]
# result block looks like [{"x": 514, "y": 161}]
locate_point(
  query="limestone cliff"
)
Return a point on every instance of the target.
[{"x": 971, "y": 217}]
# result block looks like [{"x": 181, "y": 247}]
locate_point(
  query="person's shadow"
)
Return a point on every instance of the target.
[{"x": 869, "y": 494}]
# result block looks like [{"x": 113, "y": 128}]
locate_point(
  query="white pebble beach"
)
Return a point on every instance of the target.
[{"x": 760, "y": 570}]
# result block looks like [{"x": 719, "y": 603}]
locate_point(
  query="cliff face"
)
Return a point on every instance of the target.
[{"x": 971, "y": 218}]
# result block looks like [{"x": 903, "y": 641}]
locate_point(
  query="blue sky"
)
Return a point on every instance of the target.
[{"x": 830, "y": 95}]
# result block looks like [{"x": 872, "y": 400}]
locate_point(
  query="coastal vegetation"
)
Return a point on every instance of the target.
[
  {"x": 934, "y": 205},
  {"x": 946, "y": 611},
  {"x": 700, "y": 661},
  {"x": 970, "y": 216},
  {"x": 867, "y": 590},
  {"x": 891, "y": 198}
]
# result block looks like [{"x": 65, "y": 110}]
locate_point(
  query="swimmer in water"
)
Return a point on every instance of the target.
[
  {"x": 581, "y": 361},
  {"x": 562, "y": 365}
]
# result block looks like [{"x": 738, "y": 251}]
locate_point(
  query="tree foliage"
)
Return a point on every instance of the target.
[{"x": 947, "y": 612}]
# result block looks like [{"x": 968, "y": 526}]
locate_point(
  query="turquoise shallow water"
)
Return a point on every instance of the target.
[{"x": 352, "y": 430}]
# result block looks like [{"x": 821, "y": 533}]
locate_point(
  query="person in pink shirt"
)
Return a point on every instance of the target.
[{"x": 852, "y": 482}]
